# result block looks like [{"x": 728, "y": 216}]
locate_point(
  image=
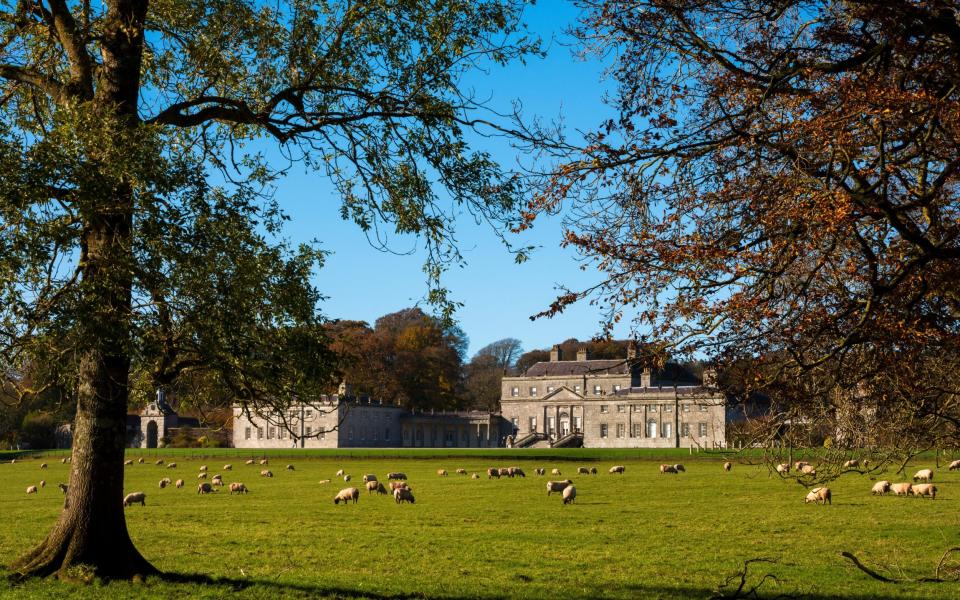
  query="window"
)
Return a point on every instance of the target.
[
  {"x": 577, "y": 424},
  {"x": 603, "y": 408},
  {"x": 684, "y": 429},
  {"x": 514, "y": 391},
  {"x": 597, "y": 390},
  {"x": 576, "y": 388},
  {"x": 271, "y": 432},
  {"x": 616, "y": 387},
  {"x": 668, "y": 430},
  {"x": 516, "y": 422},
  {"x": 246, "y": 434},
  {"x": 259, "y": 433},
  {"x": 652, "y": 408},
  {"x": 686, "y": 408},
  {"x": 309, "y": 414},
  {"x": 703, "y": 408},
  {"x": 651, "y": 429},
  {"x": 702, "y": 427},
  {"x": 283, "y": 434},
  {"x": 637, "y": 430},
  {"x": 533, "y": 423},
  {"x": 551, "y": 424},
  {"x": 291, "y": 414},
  {"x": 621, "y": 428},
  {"x": 603, "y": 430},
  {"x": 667, "y": 408},
  {"x": 634, "y": 408},
  {"x": 310, "y": 431},
  {"x": 621, "y": 408},
  {"x": 533, "y": 391},
  {"x": 549, "y": 388}
]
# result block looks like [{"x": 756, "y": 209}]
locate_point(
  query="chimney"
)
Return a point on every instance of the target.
[
  {"x": 710, "y": 377},
  {"x": 646, "y": 376},
  {"x": 632, "y": 350},
  {"x": 582, "y": 353},
  {"x": 556, "y": 354}
]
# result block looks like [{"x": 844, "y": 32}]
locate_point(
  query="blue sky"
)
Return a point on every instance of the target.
[{"x": 498, "y": 295}]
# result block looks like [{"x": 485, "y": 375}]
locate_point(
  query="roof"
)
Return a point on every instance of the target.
[{"x": 565, "y": 368}]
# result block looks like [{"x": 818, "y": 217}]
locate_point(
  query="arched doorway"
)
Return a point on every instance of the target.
[{"x": 152, "y": 434}]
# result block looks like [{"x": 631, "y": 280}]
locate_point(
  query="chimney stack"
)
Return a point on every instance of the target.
[
  {"x": 582, "y": 353},
  {"x": 556, "y": 354},
  {"x": 646, "y": 377},
  {"x": 632, "y": 350}
]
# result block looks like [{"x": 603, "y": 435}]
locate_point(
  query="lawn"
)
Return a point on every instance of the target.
[{"x": 638, "y": 535}]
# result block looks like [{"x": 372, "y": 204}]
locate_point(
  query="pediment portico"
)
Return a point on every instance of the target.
[{"x": 563, "y": 395}]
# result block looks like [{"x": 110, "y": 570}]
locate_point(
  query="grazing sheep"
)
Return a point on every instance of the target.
[
  {"x": 64, "y": 461},
  {"x": 461, "y": 471},
  {"x": 346, "y": 477},
  {"x": 902, "y": 489},
  {"x": 43, "y": 483},
  {"x": 264, "y": 461},
  {"x": 954, "y": 465},
  {"x": 593, "y": 470},
  {"x": 396, "y": 485},
  {"x": 172, "y": 465},
  {"x": 369, "y": 477},
  {"x": 475, "y": 476},
  {"x": 290, "y": 468},
  {"x": 923, "y": 475},
  {"x": 569, "y": 494},
  {"x": 203, "y": 467},
  {"x": 819, "y": 496},
  {"x": 403, "y": 495},
  {"x": 376, "y": 486},
  {"x": 250, "y": 462},
  {"x": 679, "y": 467},
  {"x": 238, "y": 488},
  {"x": 205, "y": 488},
  {"x": 442, "y": 472},
  {"x": 783, "y": 468},
  {"x": 583, "y": 471},
  {"x": 347, "y": 494},
  {"x": 517, "y": 472},
  {"x": 555, "y": 471},
  {"x": 135, "y": 497},
  {"x": 227, "y": 467},
  {"x": 808, "y": 470},
  {"x": 504, "y": 472},
  {"x": 667, "y": 469},
  {"x": 63, "y": 488},
  {"x": 266, "y": 473},
  {"x": 32, "y": 489},
  {"x": 851, "y": 464},
  {"x": 217, "y": 480},
  {"x": 340, "y": 473},
  {"x": 727, "y": 466},
  {"x": 880, "y": 488},
  {"x": 618, "y": 469},
  {"x": 398, "y": 476},
  {"x": 128, "y": 462},
  {"x": 140, "y": 460},
  {"x": 159, "y": 462},
  {"x": 540, "y": 471},
  {"x": 493, "y": 472},
  {"x": 164, "y": 483},
  {"x": 557, "y": 486},
  {"x": 43, "y": 465},
  {"x": 179, "y": 483},
  {"x": 925, "y": 489},
  {"x": 202, "y": 476},
  {"x": 799, "y": 465}
]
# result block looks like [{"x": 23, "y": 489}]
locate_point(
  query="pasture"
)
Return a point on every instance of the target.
[{"x": 638, "y": 535}]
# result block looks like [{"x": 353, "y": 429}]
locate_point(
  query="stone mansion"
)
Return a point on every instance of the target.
[{"x": 611, "y": 404}]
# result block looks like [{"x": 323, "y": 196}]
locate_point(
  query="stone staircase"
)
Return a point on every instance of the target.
[{"x": 573, "y": 439}]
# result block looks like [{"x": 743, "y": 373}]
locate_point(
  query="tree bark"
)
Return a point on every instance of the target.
[{"x": 92, "y": 530}]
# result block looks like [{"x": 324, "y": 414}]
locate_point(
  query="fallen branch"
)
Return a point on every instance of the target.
[{"x": 953, "y": 573}]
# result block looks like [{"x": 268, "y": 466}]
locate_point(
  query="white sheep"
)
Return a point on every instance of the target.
[
  {"x": 783, "y": 468},
  {"x": 667, "y": 469},
  {"x": 172, "y": 465},
  {"x": 227, "y": 467},
  {"x": 32, "y": 489},
  {"x": 441, "y": 472},
  {"x": 461, "y": 471},
  {"x": 217, "y": 480},
  {"x": 504, "y": 472},
  {"x": 555, "y": 471},
  {"x": 238, "y": 488},
  {"x": 201, "y": 476},
  {"x": 851, "y": 464},
  {"x": 266, "y": 473},
  {"x": 205, "y": 488},
  {"x": 398, "y": 476},
  {"x": 140, "y": 460},
  {"x": 43, "y": 483},
  {"x": 540, "y": 471},
  {"x": 569, "y": 494},
  {"x": 376, "y": 486},
  {"x": 583, "y": 471},
  {"x": 493, "y": 472},
  {"x": 593, "y": 470},
  {"x": 347, "y": 494},
  {"x": 264, "y": 461},
  {"x": 340, "y": 473},
  {"x": 346, "y": 477},
  {"x": 954, "y": 465},
  {"x": 203, "y": 467},
  {"x": 557, "y": 486},
  {"x": 679, "y": 467},
  {"x": 369, "y": 477},
  {"x": 923, "y": 475},
  {"x": 43, "y": 465},
  {"x": 799, "y": 465},
  {"x": 403, "y": 495},
  {"x": 250, "y": 462},
  {"x": 925, "y": 489},
  {"x": 819, "y": 496},
  {"x": 617, "y": 469},
  {"x": 475, "y": 476},
  {"x": 290, "y": 468},
  {"x": 65, "y": 460},
  {"x": 902, "y": 489},
  {"x": 159, "y": 462},
  {"x": 517, "y": 472},
  {"x": 135, "y": 497},
  {"x": 396, "y": 485},
  {"x": 808, "y": 470},
  {"x": 179, "y": 483},
  {"x": 727, "y": 466},
  {"x": 880, "y": 488},
  {"x": 128, "y": 462},
  {"x": 164, "y": 482}
]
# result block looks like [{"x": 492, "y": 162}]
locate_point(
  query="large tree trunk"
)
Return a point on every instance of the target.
[{"x": 92, "y": 530}]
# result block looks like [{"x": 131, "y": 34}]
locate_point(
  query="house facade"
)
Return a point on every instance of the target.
[{"x": 611, "y": 404}]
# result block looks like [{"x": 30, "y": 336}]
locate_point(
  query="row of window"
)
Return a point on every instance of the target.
[
  {"x": 281, "y": 433},
  {"x": 666, "y": 432},
  {"x": 533, "y": 391}
]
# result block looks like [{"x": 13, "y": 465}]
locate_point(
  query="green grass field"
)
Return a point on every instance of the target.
[{"x": 640, "y": 535}]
